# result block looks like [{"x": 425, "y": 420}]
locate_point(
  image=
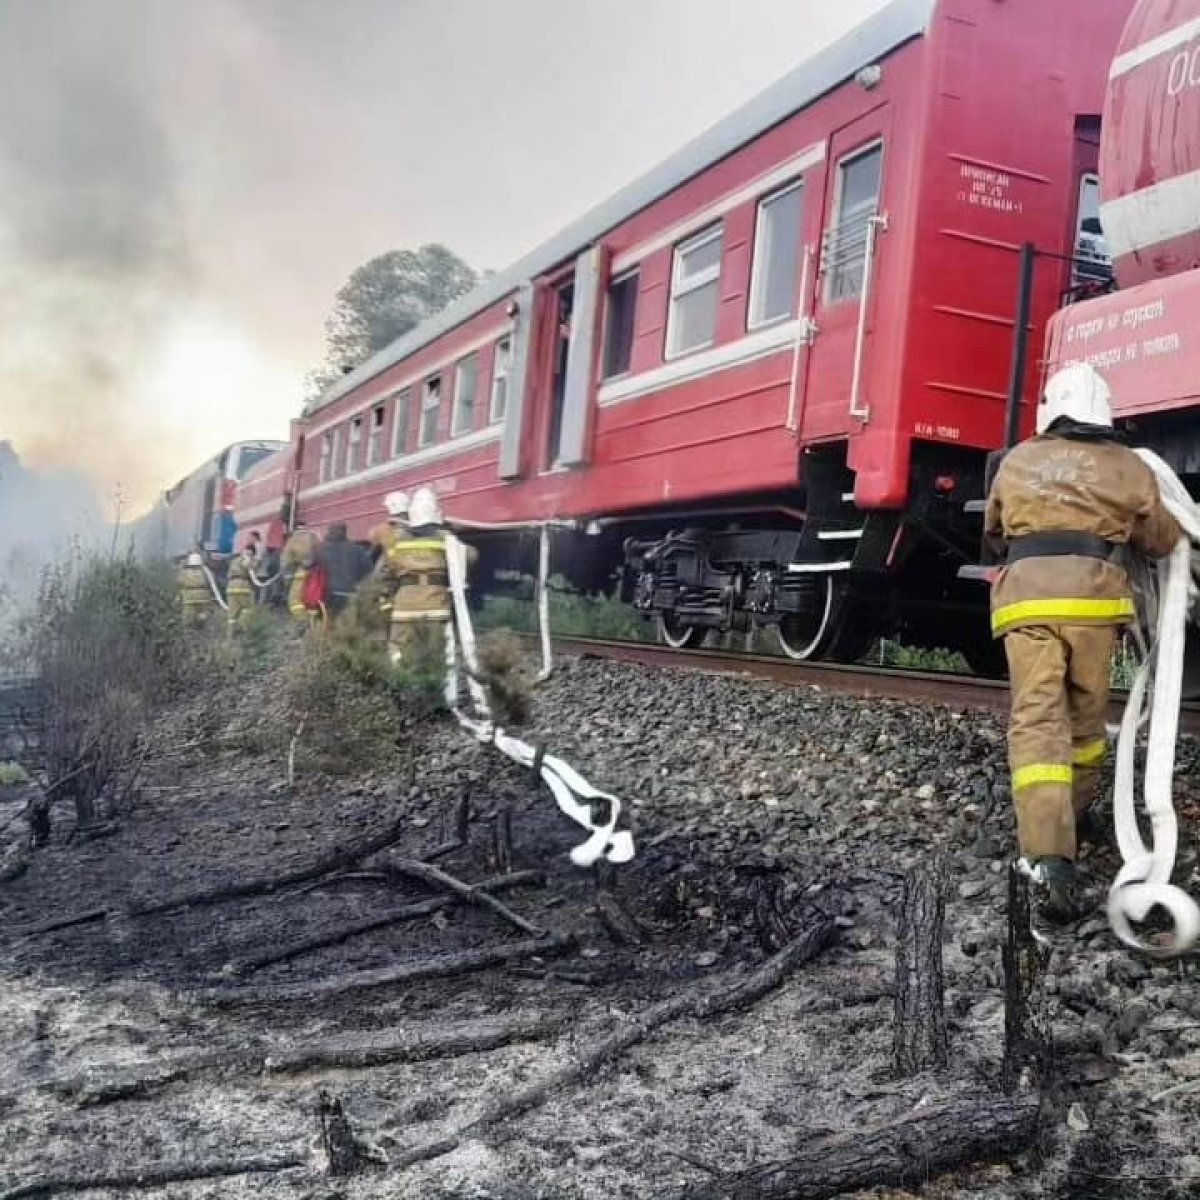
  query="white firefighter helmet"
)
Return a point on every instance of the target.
[
  {"x": 194, "y": 559},
  {"x": 425, "y": 508},
  {"x": 1078, "y": 392},
  {"x": 396, "y": 504}
]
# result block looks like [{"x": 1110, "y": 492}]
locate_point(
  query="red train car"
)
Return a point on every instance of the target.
[
  {"x": 266, "y": 495},
  {"x": 1145, "y": 338},
  {"x": 763, "y": 378}
]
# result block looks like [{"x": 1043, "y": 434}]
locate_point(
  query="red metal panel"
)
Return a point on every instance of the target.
[
  {"x": 1145, "y": 340},
  {"x": 1150, "y": 161},
  {"x": 998, "y": 168}
]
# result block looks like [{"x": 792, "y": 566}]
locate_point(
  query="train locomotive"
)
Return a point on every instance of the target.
[
  {"x": 758, "y": 387},
  {"x": 198, "y": 512}
]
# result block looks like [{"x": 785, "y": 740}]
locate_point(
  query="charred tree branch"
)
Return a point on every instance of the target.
[
  {"x": 1027, "y": 1041},
  {"x": 343, "y": 933},
  {"x": 336, "y": 859},
  {"x": 700, "y": 1005},
  {"x": 919, "y": 1042},
  {"x": 902, "y": 1153},
  {"x": 405, "y": 1045},
  {"x": 438, "y": 966},
  {"x": 150, "y": 1176},
  {"x": 440, "y": 881}
]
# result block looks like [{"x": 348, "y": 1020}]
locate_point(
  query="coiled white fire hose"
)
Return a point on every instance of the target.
[
  {"x": 1144, "y": 880},
  {"x": 598, "y": 812}
]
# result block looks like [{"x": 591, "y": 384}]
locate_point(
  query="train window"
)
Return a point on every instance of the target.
[
  {"x": 776, "y": 256},
  {"x": 403, "y": 419},
  {"x": 466, "y": 383},
  {"x": 375, "y": 438},
  {"x": 431, "y": 409},
  {"x": 845, "y": 251},
  {"x": 326, "y": 465},
  {"x": 354, "y": 446},
  {"x": 335, "y": 453},
  {"x": 501, "y": 361},
  {"x": 1092, "y": 264},
  {"x": 618, "y": 333},
  {"x": 246, "y": 456},
  {"x": 695, "y": 280}
]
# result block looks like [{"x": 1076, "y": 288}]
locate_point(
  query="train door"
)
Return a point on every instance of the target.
[
  {"x": 834, "y": 396},
  {"x": 562, "y": 310},
  {"x": 208, "y": 534},
  {"x": 1090, "y": 269}
]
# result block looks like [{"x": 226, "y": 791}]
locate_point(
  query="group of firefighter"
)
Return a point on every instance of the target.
[
  {"x": 1063, "y": 509},
  {"x": 317, "y": 578}
]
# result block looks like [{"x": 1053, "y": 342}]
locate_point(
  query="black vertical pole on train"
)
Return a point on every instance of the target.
[{"x": 1016, "y": 381}]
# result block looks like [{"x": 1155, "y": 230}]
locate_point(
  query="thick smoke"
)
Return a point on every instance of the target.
[
  {"x": 93, "y": 256},
  {"x": 45, "y": 517},
  {"x": 185, "y": 184}
]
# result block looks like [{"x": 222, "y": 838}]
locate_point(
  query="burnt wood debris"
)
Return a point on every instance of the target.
[{"x": 410, "y": 998}]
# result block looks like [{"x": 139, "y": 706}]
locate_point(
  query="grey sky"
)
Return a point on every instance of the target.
[{"x": 184, "y": 184}]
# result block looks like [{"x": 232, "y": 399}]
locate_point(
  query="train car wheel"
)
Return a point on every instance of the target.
[
  {"x": 679, "y": 635},
  {"x": 802, "y": 635}
]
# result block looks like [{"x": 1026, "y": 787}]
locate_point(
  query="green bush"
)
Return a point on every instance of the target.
[
  {"x": 12, "y": 774},
  {"x": 350, "y": 701},
  {"x": 888, "y": 653},
  {"x": 571, "y": 615},
  {"x": 107, "y": 642}
]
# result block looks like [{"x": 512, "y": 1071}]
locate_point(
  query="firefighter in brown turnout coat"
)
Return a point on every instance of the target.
[
  {"x": 416, "y": 564},
  {"x": 1067, "y": 502},
  {"x": 195, "y": 594},
  {"x": 239, "y": 589},
  {"x": 385, "y": 535},
  {"x": 414, "y": 571},
  {"x": 298, "y": 557}
]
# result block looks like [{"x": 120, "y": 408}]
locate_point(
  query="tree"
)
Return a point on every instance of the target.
[{"x": 385, "y": 298}]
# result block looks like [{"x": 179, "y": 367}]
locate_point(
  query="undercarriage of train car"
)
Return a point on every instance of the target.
[{"x": 826, "y": 577}]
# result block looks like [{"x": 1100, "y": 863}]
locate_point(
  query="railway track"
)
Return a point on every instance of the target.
[{"x": 883, "y": 683}]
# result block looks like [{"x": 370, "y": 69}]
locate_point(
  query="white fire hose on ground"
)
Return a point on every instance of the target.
[
  {"x": 1144, "y": 880},
  {"x": 598, "y": 812}
]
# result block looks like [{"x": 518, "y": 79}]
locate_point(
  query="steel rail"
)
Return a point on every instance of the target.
[{"x": 865, "y": 682}]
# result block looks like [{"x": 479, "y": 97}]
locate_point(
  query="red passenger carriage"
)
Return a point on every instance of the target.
[{"x": 763, "y": 378}]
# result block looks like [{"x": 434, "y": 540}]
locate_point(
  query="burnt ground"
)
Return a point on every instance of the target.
[{"x": 756, "y": 808}]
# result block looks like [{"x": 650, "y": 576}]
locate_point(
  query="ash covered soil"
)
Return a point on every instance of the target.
[{"x": 757, "y": 808}]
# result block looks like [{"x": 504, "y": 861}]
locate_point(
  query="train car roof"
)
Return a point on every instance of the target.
[{"x": 898, "y": 22}]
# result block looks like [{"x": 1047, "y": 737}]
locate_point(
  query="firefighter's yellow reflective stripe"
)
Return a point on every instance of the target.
[
  {"x": 1090, "y": 753},
  {"x": 1061, "y": 609},
  {"x": 1036, "y": 773},
  {"x": 419, "y": 544}
]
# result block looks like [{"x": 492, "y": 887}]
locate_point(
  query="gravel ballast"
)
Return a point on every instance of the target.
[{"x": 741, "y": 794}]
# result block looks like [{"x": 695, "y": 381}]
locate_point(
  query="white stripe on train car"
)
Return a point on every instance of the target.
[
  {"x": 1163, "y": 43},
  {"x": 1159, "y": 213},
  {"x": 691, "y": 366},
  {"x": 466, "y": 441}
]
